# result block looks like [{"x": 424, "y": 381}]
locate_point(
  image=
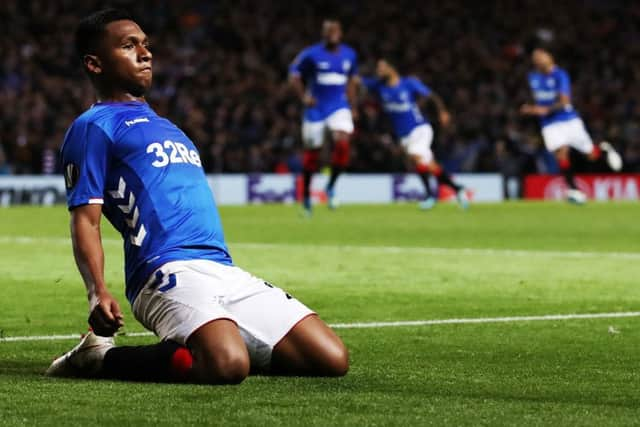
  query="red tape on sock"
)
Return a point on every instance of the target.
[
  {"x": 341, "y": 154},
  {"x": 181, "y": 363},
  {"x": 310, "y": 160},
  {"x": 422, "y": 168}
]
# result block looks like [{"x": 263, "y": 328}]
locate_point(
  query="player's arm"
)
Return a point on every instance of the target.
[
  {"x": 353, "y": 86},
  {"x": 105, "y": 315},
  {"x": 425, "y": 94},
  {"x": 298, "y": 88},
  {"x": 85, "y": 156},
  {"x": 443, "y": 113},
  {"x": 297, "y": 69},
  {"x": 561, "y": 103}
]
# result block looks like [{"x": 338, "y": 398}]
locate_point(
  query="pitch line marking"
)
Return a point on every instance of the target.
[
  {"x": 376, "y": 325},
  {"x": 27, "y": 240}
]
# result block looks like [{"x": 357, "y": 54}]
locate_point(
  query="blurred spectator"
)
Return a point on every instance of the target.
[
  {"x": 220, "y": 73},
  {"x": 5, "y": 169}
]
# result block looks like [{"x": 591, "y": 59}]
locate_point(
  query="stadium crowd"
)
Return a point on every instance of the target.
[{"x": 220, "y": 72}]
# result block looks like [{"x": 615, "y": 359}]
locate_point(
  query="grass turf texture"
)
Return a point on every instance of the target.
[{"x": 363, "y": 264}]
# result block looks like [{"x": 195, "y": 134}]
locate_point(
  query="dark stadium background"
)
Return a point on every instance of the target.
[{"x": 220, "y": 73}]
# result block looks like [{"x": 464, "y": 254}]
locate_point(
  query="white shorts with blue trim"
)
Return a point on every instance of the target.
[
  {"x": 313, "y": 133},
  {"x": 418, "y": 143},
  {"x": 182, "y": 296},
  {"x": 570, "y": 133}
]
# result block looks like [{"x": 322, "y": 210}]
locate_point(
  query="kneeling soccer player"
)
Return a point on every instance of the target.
[{"x": 216, "y": 322}]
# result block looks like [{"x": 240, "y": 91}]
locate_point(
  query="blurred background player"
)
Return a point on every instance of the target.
[
  {"x": 562, "y": 127},
  {"x": 400, "y": 97},
  {"x": 324, "y": 77}
]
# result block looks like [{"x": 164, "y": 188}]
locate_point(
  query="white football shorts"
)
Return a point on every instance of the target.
[
  {"x": 418, "y": 143},
  {"x": 182, "y": 296},
  {"x": 313, "y": 133},
  {"x": 571, "y": 132}
]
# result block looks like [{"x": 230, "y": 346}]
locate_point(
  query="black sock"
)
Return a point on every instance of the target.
[
  {"x": 335, "y": 173},
  {"x": 569, "y": 178},
  {"x": 427, "y": 185},
  {"x": 445, "y": 178},
  {"x": 306, "y": 182},
  {"x": 141, "y": 363}
]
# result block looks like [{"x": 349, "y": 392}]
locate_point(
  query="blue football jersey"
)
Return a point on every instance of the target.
[
  {"x": 399, "y": 102},
  {"x": 325, "y": 74},
  {"x": 148, "y": 176},
  {"x": 546, "y": 89}
]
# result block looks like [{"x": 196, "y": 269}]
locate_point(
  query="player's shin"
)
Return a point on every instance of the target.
[
  {"x": 310, "y": 160},
  {"x": 166, "y": 361},
  {"x": 444, "y": 178},
  {"x": 567, "y": 172},
  {"x": 423, "y": 172},
  {"x": 339, "y": 161}
]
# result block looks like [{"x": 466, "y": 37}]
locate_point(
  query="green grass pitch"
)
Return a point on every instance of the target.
[{"x": 366, "y": 264}]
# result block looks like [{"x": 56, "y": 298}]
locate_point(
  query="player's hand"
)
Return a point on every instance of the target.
[
  {"x": 105, "y": 317},
  {"x": 308, "y": 101},
  {"x": 445, "y": 118},
  {"x": 355, "y": 114},
  {"x": 534, "y": 110},
  {"x": 525, "y": 109}
]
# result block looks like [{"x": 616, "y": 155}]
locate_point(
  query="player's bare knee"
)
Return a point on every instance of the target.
[
  {"x": 227, "y": 371},
  {"x": 336, "y": 363},
  {"x": 234, "y": 368},
  {"x": 339, "y": 135},
  {"x": 228, "y": 366}
]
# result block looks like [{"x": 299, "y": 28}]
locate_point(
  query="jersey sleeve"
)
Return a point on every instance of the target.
[
  {"x": 371, "y": 84},
  {"x": 419, "y": 88},
  {"x": 564, "y": 83},
  {"x": 301, "y": 65},
  {"x": 85, "y": 156}
]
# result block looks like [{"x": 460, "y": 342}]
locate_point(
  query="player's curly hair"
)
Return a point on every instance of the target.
[{"x": 90, "y": 29}]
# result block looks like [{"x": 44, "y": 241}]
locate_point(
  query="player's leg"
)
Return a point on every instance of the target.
[
  {"x": 562, "y": 156},
  {"x": 313, "y": 138},
  {"x": 418, "y": 146},
  {"x": 215, "y": 354},
  {"x": 311, "y": 348},
  {"x": 341, "y": 126},
  {"x": 283, "y": 336},
  {"x": 219, "y": 353},
  {"x": 423, "y": 171},
  {"x": 581, "y": 141},
  {"x": 182, "y": 304},
  {"x": 340, "y": 156},
  {"x": 557, "y": 139},
  {"x": 574, "y": 195}
]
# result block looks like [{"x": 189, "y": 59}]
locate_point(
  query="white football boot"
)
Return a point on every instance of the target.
[
  {"x": 332, "y": 199},
  {"x": 613, "y": 158},
  {"x": 427, "y": 204},
  {"x": 576, "y": 196},
  {"x": 463, "y": 199},
  {"x": 84, "y": 360}
]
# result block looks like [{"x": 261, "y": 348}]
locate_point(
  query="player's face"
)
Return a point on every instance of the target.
[
  {"x": 383, "y": 69},
  {"x": 125, "y": 57},
  {"x": 332, "y": 32},
  {"x": 542, "y": 60}
]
